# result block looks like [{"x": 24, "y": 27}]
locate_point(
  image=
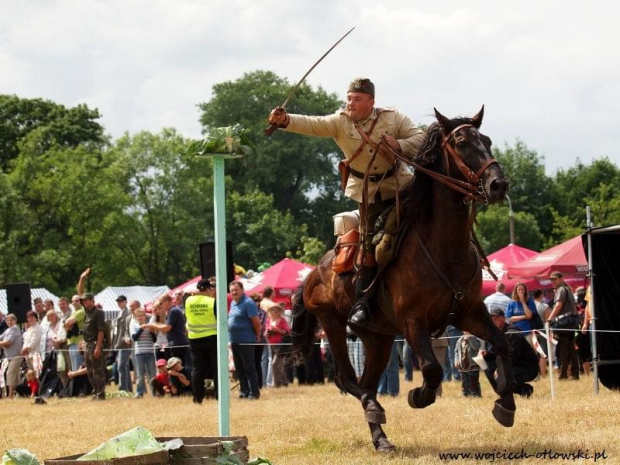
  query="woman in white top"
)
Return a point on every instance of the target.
[
  {"x": 32, "y": 343},
  {"x": 161, "y": 343},
  {"x": 49, "y": 336}
]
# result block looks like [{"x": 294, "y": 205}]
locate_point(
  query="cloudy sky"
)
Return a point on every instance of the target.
[{"x": 548, "y": 72}]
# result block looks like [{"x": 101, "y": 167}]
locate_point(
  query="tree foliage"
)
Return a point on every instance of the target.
[
  {"x": 494, "y": 228},
  {"x": 287, "y": 166},
  {"x": 531, "y": 191},
  {"x": 166, "y": 209},
  {"x": 258, "y": 231},
  {"x": 137, "y": 209},
  {"x": 57, "y": 125},
  {"x": 598, "y": 183}
]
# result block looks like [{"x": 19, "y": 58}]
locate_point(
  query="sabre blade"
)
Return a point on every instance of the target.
[
  {"x": 274, "y": 126},
  {"x": 292, "y": 92}
]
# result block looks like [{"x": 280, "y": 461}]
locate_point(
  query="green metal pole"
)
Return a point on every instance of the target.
[{"x": 219, "y": 197}]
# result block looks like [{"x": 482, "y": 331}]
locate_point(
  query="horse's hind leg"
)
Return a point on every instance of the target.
[
  {"x": 419, "y": 340},
  {"x": 479, "y": 323}
]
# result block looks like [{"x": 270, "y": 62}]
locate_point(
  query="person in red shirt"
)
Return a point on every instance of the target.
[
  {"x": 33, "y": 383},
  {"x": 161, "y": 382},
  {"x": 276, "y": 328}
]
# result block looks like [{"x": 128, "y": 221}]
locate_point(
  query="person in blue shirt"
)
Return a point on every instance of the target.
[
  {"x": 244, "y": 331},
  {"x": 174, "y": 329},
  {"x": 520, "y": 311}
]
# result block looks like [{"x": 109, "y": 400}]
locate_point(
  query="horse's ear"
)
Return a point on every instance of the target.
[
  {"x": 442, "y": 120},
  {"x": 477, "y": 119}
]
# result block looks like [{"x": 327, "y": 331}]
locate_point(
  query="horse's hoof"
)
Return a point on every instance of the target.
[
  {"x": 412, "y": 398},
  {"x": 417, "y": 400},
  {"x": 375, "y": 416},
  {"x": 385, "y": 446},
  {"x": 503, "y": 416}
]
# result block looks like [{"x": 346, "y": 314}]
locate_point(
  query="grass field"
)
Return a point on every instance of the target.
[{"x": 302, "y": 425}]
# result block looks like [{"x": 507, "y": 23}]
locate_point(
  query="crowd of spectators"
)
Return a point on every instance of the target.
[{"x": 69, "y": 350}]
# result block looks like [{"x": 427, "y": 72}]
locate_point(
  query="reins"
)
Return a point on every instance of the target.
[
  {"x": 472, "y": 188},
  {"x": 473, "y": 191}
]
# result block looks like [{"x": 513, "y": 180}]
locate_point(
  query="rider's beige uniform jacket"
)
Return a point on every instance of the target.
[{"x": 339, "y": 127}]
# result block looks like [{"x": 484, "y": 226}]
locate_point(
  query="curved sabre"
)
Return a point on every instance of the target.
[{"x": 274, "y": 126}]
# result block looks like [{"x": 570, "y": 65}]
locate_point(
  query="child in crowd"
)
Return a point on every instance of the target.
[
  {"x": 33, "y": 383},
  {"x": 467, "y": 347},
  {"x": 161, "y": 383},
  {"x": 179, "y": 377},
  {"x": 276, "y": 328},
  {"x": 144, "y": 350}
]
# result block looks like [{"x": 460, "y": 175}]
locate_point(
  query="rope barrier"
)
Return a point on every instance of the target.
[{"x": 266, "y": 344}]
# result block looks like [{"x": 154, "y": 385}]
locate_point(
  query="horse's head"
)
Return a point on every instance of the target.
[{"x": 467, "y": 155}]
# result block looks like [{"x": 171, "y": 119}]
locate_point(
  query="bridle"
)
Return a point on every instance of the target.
[{"x": 472, "y": 188}]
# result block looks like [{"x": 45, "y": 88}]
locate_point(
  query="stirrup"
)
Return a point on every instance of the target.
[{"x": 361, "y": 315}]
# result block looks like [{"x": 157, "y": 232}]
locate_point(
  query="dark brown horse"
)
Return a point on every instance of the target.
[{"x": 435, "y": 279}]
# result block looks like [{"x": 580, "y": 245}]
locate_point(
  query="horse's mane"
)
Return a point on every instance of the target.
[{"x": 417, "y": 195}]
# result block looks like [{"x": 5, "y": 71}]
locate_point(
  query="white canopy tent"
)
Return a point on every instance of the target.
[{"x": 143, "y": 294}]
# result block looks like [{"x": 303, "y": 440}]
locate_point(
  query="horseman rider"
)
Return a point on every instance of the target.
[{"x": 362, "y": 131}]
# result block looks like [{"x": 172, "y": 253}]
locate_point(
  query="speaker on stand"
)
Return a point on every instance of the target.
[
  {"x": 207, "y": 261},
  {"x": 18, "y": 300}
]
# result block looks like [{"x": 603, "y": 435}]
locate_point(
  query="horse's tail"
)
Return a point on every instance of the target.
[{"x": 304, "y": 327}]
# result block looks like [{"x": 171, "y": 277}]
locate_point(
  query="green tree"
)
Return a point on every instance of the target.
[
  {"x": 59, "y": 126},
  {"x": 63, "y": 194},
  {"x": 289, "y": 167},
  {"x": 598, "y": 183},
  {"x": 604, "y": 203},
  {"x": 493, "y": 229},
  {"x": 12, "y": 228},
  {"x": 165, "y": 212},
  {"x": 531, "y": 190},
  {"x": 312, "y": 250},
  {"x": 259, "y": 232},
  {"x": 564, "y": 228}
]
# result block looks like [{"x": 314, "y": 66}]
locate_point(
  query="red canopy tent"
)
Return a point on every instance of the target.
[
  {"x": 500, "y": 261},
  {"x": 189, "y": 286},
  {"x": 285, "y": 276},
  {"x": 568, "y": 258}
]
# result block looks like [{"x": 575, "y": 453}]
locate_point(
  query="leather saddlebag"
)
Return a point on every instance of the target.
[{"x": 346, "y": 249}]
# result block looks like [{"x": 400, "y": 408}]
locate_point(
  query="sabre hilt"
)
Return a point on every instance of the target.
[
  {"x": 271, "y": 129},
  {"x": 274, "y": 126}
]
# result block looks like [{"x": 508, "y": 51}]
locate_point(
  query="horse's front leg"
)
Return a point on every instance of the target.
[
  {"x": 419, "y": 340},
  {"x": 480, "y": 324},
  {"x": 378, "y": 349}
]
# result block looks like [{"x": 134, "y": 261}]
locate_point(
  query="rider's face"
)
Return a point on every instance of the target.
[{"x": 359, "y": 105}]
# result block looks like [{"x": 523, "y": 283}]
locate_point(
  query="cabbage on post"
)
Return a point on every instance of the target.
[{"x": 230, "y": 140}]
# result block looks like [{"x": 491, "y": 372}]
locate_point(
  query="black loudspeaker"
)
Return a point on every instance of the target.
[
  {"x": 18, "y": 300},
  {"x": 207, "y": 261}
]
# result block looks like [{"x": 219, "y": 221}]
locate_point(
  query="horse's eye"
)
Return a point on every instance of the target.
[{"x": 461, "y": 143}]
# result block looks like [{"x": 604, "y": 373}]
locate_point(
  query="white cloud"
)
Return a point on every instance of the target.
[{"x": 546, "y": 71}]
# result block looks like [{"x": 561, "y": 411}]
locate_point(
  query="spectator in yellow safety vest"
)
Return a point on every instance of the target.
[{"x": 201, "y": 326}]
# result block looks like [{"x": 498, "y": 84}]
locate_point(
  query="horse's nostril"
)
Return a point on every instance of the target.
[{"x": 499, "y": 186}]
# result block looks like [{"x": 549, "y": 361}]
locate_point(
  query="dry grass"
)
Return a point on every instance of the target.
[{"x": 317, "y": 425}]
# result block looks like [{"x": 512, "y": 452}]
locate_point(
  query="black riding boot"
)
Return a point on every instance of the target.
[{"x": 360, "y": 313}]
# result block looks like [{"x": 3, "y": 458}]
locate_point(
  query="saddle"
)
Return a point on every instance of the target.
[{"x": 346, "y": 227}]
